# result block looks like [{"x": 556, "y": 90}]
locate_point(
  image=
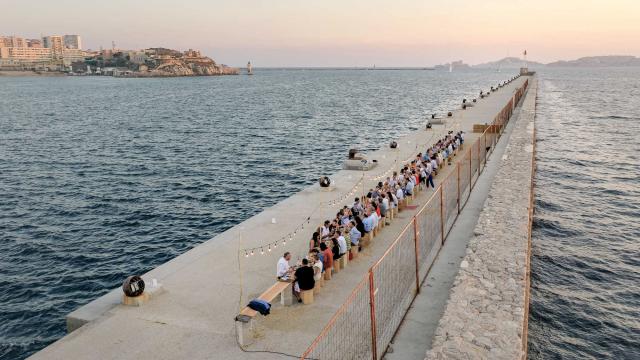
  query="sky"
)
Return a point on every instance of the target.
[{"x": 341, "y": 33}]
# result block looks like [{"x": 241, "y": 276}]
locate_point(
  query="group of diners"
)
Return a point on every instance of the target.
[{"x": 343, "y": 235}]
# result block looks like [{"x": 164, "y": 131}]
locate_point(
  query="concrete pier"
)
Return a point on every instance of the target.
[{"x": 205, "y": 288}]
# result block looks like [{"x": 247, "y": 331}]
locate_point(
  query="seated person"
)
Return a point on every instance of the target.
[
  {"x": 342, "y": 243},
  {"x": 284, "y": 269},
  {"x": 409, "y": 187},
  {"x": 327, "y": 261},
  {"x": 304, "y": 279},
  {"x": 317, "y": 267},
  {"x": 335, "y": 248},
  {"x": 355, "y": 234}
]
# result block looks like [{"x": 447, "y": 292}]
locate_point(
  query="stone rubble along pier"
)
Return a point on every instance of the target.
[{"x": 486, "y": 314}]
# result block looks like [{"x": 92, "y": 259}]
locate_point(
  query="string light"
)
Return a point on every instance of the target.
[{"x": 340, "y": 198}]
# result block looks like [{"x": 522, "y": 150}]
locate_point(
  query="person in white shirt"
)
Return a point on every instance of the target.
[
  {"x": 399, "y": 193},
  {"x": 324, "y": 230},
  {"x": 374, "y": 217},
  {"x": 283, "y": 268},
  {"x": 317, "y": 266},
  {"x": 342, "y": 244},
  {"x": 385, "y": 204},
  {"x": 409, "y": 188}
]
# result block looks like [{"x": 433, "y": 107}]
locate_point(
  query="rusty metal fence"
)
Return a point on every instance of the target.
[
  {"x": 365, "y": 324},
  {"x": 350, "y": 330},
  {"x": 394, "y": 283},
  {"x": 449, "y": 204},
  {"x": 429, "y": 230}
]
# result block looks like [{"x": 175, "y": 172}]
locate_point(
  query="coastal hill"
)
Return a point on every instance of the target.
[
  {"x": 152, "y": 62},
  {"x": 590, "y": 61},
  {"x": 507, "y": 63},
  {"x": 599, "y": 61}
]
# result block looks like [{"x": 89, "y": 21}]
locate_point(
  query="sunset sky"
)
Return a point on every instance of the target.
[{"x": 342, "y": 33}]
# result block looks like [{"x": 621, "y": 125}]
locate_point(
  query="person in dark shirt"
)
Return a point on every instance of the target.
[{"x": 304, "y": 278}]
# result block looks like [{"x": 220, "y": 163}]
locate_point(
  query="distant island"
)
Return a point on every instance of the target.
[
  {"x": 455, "y": 65},
  {"x": 152, "y": 62}
]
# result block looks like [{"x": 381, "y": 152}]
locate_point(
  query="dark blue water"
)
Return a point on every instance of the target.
[
  {"x": 103, "y": 177},
  {"x": 585, "y": 296}
]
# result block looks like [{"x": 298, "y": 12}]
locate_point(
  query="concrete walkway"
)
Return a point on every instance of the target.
[
  {"x": 206, "y": 287},
  {"x": 416, "y": 332}
]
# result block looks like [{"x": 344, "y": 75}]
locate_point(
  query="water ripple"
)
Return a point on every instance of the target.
[{"x": 585, "y": 284}]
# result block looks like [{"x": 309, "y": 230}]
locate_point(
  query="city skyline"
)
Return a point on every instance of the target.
[{"x": 357, "y": 33}]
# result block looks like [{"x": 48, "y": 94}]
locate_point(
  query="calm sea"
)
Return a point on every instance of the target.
[
  {"x": 101, "y": 177},
  {"x": 585, "y": 297}
]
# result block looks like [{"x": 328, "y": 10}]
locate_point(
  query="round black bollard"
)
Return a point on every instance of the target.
[
  {"x": 393, "y": 145},
  {"x": 449, "y": 114},
  {"x": 133, "y": 286},
  {"x": 324, "y": 181}
]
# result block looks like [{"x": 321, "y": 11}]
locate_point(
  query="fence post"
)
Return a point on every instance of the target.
[
  {"x": 372, "y": 303},
  {"x": 415, "y": 240},
  {"x": 485, "y": 148},
  {"x": 478, "y": 158},
  {"x": 442, "y": 212},
  {"x": 470, "y": 175},
  {"x": 459, "y": 200}
]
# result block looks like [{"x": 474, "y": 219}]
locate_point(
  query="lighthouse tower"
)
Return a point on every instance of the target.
[
  {"x": 249, "y": 68},
  {"x": 524, "y": 70}
]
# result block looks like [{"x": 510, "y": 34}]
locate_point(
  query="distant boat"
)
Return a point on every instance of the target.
[{"x": 249, "y": 68}]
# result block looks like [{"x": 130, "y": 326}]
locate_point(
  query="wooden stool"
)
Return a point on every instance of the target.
[
  {"x": 354, "y": 251},
  {"x": 307, "y": 296},
  {"x": 336, "y": 266},
  {"x": 366, "y": 239},
  {"x": 316, "y": 288},
  {"x": 327, "y": 274},
  {"x": 343, "y": 261},
  {"x": 320, "y": 282}
]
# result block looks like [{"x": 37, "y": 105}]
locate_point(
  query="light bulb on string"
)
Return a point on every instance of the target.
[
  {"x": 252, "y": 253},
  {"x": 261, "y": 251},
  {"x": 269, "y": 249},
  {"x": 246, "y": 254}
]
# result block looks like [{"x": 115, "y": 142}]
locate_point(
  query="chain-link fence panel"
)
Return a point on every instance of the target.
[
  {"x": 394, "y": 280},
  {"x": 348, "y": 333}
]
